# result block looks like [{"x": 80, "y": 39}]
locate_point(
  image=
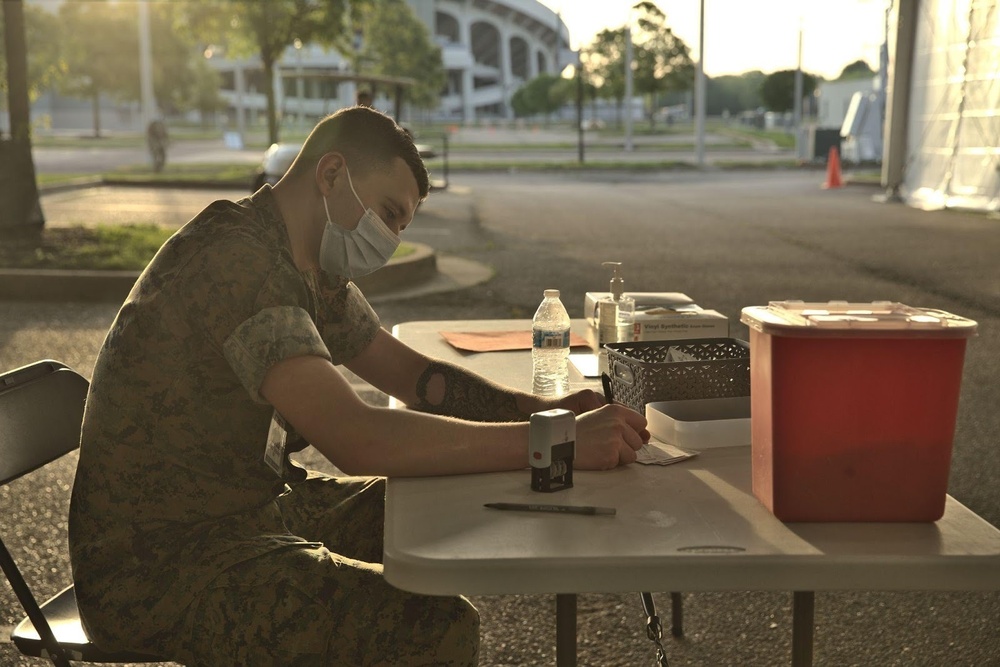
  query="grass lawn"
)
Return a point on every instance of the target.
[{"x": 110, "y": 247}]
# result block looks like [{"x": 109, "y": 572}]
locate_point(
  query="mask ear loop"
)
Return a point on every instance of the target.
[
  {"x": 351, "y": 184},
  {"x": 326, "y": 207}
]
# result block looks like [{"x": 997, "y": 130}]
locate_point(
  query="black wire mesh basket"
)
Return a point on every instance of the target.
[{"x": 673, "y": 370}]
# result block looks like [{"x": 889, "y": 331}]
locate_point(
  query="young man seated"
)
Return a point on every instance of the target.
[{"x": 192, "y": 535}]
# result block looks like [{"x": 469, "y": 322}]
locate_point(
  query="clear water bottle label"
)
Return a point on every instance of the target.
[{"x": 550, "y": 339}]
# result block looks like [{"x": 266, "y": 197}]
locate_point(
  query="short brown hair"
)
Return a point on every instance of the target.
[{"x": 368, "y": 138}]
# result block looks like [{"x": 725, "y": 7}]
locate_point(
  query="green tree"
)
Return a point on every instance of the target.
[
  {"x": 397, "y": 44},
  {"x": 205, "y": 92},
  {"x": 778, "y": 89},
  {"x": 662, "y": 61},
  {"x": 100, "y": 45},
  {"x": 545, "y": 94},
  {"x": 859, "y": 69},
  {"x": 520, "y": 103},
  {"x": 733, "y": 93},
  {"x": 254, "y": 28},
  {"x": 180, "y": 75},
  {"x": 604, "y": 64},
  {"x": 46, "y": 66},
  {"x": 99, "y": 54}
]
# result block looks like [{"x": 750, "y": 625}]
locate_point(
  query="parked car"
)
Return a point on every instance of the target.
[
  {"x": 276, "y": 161},
  {"x": 279, "y": 157}
]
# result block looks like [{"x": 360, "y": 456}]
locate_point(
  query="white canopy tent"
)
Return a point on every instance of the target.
[{"x": 943, "y": 115}]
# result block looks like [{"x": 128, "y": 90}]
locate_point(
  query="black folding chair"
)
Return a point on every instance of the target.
[{"x": 41, "y": 410}]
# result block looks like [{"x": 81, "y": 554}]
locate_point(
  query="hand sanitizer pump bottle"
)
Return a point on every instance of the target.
[{"x": 624, "y": 310}]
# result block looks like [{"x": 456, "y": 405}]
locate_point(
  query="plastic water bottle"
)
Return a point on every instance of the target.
[{"x": 550, "y": 347}]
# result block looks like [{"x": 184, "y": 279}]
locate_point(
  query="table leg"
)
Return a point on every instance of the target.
[
  {"x": 566, "y": 630},
  {"x": 803, "y": 607},
  {"x": 676, "y": 615}
]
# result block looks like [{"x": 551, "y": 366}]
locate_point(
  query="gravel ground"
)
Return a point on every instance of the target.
[
  {"x": 484, "y": 221},
  {"x": 739, "y": 628}
]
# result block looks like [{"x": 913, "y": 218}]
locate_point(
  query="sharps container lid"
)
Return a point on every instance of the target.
[{"x": 879, "y": 319}]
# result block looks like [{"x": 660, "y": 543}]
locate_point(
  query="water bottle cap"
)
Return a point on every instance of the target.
[{"x": 551, "y": 293}]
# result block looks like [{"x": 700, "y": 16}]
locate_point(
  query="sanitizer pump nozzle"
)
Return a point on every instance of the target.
[
  {"x": 625, "y": 311},
  {"x": 617, "y": 283}
]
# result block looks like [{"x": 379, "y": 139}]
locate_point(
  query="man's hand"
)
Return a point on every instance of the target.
[
  {"x": 608, "y": 437},
  {"x": 579, "y": 402}
]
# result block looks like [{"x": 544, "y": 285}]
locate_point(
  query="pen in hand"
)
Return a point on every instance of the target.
[
  {"x": 606, "y": 383},
  {"x": 566, "y": 509}
]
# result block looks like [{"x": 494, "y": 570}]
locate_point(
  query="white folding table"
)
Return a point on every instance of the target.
[{"x": 691, "y": 526}]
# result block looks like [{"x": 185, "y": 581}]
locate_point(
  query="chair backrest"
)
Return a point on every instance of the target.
[{"x": 41, "y": 410}]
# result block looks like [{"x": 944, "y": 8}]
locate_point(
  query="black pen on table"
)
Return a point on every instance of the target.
[{"x": 565, "y": 509}]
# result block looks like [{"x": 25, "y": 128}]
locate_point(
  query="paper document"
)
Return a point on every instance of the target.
[
  {"x": 659, "y": 453},
  {"x": 586, "y": 363},
  {"x": 493, "y": 341}
]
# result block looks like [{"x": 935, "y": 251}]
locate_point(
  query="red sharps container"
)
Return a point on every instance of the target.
[{"x": 853, "y": 408}]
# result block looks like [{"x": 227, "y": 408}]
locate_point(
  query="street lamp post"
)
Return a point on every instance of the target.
[
  {"x": 628, "y": 87},
  {"x": 797, "y": 105},
  {"x": 579, "y": 105},
  {"x": 299, "y": 83},
  {"x": 147, "y": 97},
  {"x": 699, "y": 91}
]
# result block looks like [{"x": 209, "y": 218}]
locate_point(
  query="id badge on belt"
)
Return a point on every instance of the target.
[{"x": 275, "y": 452}]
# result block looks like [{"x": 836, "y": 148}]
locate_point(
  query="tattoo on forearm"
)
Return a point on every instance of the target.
[{"x": 465, "y": 395}]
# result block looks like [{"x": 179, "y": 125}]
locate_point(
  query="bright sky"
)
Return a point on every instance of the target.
[{"x": 743, "y": 35}]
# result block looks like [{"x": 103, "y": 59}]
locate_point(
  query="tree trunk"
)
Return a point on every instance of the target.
[
  {"x": 272, "y": 103},
  {"x": 20, "y": 207}
]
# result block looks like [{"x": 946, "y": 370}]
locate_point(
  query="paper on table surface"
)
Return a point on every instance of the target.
[
  {"x": 587, "y": 363},
  {"x": 494, "y": 341},
  {"x": 656, "y": 452}
]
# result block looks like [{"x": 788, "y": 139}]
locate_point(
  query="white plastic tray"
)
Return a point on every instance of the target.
[{"x": 701, "y": 423}]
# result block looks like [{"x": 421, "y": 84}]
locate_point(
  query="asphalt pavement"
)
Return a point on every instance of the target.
[{"x": 729, "y": 240}]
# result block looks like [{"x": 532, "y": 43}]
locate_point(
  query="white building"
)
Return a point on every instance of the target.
[
  {"x": 489, "y": 48},
  {"x": 834, "y": 100},
  {"x": 855, "y": 109}
]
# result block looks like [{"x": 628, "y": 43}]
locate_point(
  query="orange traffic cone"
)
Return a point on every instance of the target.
[{"x": 833, "y": 179}]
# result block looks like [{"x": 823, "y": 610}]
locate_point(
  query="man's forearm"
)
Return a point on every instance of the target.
[{"x": 447, "y": 389}]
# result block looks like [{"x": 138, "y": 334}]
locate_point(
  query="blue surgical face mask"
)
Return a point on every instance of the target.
[{"x": 356, "y": 252}]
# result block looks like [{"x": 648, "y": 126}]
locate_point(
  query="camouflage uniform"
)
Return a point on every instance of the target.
[{"x": 184, "y": 542}]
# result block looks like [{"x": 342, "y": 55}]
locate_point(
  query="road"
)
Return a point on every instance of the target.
[
  {"x": 729, "y": 240},
  {"x": 476, "y": 145},
  {"x": 86, "y": 159}
]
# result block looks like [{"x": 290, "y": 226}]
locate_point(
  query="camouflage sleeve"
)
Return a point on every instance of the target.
[
  {"x": 345, "y": 319},
  {"x": 270, "y": 335}
]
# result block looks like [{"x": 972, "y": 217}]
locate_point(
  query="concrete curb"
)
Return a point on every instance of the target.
[{"x": 411, "y": 270}]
